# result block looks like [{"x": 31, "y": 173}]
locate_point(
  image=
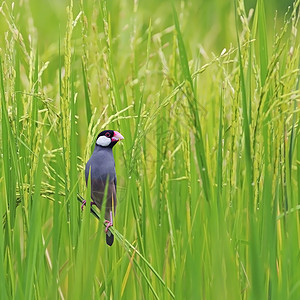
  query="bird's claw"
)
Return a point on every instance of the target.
[
  {"x": 83, "y": 204},
  {"x": 108, "y": 224}
]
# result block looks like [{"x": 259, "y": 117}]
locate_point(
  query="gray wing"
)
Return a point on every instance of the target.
[
  {"x": 100, "y": 176},
  {"x": 98, "y": 193}
]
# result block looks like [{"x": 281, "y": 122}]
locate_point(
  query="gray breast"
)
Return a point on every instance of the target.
[{"x": 102, "y": 165}]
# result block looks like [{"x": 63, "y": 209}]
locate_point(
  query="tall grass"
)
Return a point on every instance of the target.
[{"x": 208, "y": 173}]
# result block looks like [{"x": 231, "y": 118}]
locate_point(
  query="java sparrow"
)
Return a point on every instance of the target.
[{"x": 101, "y": 165}]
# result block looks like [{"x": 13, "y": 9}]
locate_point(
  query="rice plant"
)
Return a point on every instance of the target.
[{"x": 206, "y": 94}]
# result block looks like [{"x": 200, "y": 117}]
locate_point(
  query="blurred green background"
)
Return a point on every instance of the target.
[{"x": 209, "y": 23}]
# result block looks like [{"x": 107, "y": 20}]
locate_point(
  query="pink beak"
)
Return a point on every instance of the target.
[{"x": 117, "y": 136}]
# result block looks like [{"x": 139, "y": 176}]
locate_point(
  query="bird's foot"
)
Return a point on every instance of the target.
[
  {"x": 83, "y": 204},
  {"x": 108, "y": 223}
]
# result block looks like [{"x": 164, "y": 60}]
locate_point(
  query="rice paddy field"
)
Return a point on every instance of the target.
[{"x": 206, "y": 94}]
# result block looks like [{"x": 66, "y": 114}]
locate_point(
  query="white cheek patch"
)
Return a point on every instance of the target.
[{"x": 103, "y": 141}]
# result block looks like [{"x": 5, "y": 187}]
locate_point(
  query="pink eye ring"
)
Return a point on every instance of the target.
[{"x": 107, "y": 134}]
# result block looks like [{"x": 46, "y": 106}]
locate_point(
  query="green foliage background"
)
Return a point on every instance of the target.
[{"x": 206, "y": 94}]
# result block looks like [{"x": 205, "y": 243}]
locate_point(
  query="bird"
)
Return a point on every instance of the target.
[{"x": 101, "y": 167}]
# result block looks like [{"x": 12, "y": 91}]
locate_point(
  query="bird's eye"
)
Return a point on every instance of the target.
[{"x": 107, "y": 134}]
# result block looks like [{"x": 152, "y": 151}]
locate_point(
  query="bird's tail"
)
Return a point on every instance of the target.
[{"x": 109, "y": 238}]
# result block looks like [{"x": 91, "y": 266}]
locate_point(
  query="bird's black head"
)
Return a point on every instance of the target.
[{"x": 108, "y": 138}]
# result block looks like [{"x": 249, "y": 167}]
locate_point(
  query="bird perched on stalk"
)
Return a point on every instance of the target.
[{"x": 101, "y": 165}]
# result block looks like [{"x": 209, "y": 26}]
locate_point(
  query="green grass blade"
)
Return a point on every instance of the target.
[
  {"x": 246, "y": 127},
  {"x": 34, "y": 234},
  {"x": 201, "y": 155},
  {"x": 86, "y": 94},
  {"x": 263, "y": 43}
]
